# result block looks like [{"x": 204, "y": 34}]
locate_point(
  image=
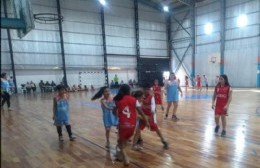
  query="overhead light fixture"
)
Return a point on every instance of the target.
[
  {"x": 114, "y": 68},
  {"x": 242, "y": 21},
  {"x": 102, "y": 2},
  {"x": 165, "y": 8},
  {"x": 208, "y": 28}
]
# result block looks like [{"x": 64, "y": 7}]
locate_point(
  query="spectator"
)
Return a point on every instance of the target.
[
  {"x": 92, "y": 88},
  {"x": 112, "y": 84},
  {"x": 80, "y": 87},
  {"x": 85, "y": 88},
  {"x": 121, "y": 83},
  {"x": 116, "y": 81},
  {"x": 53, "y": 85},
  {"x": 41, "y": 85},
  {"x": 33, "y": 86},
  {"x": 28, "y": 87},
  {"x": 48, "y": 87}
]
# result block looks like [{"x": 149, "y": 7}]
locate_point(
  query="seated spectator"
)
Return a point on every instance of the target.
[
  {"x": 28, "y": 87},
  {"x": 33, "y": 86},
  {"x": 23, "y": 88},
  {"x": 92, "y": 88},
  {"x": 48, "y": 87},
  {"x": 53, "y": 85},
  {"x": 74, "y": 88},
  {"x": 80, "y": 87},
  {"x": 85, "y": 88},
  {"x": 121, "y": 83},
  {"x": 68, "y": 89}
]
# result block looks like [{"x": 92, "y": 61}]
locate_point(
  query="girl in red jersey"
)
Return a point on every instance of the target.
[
  {"x": 126, "y": 112},
  {"x": 148, "y": 108},
  {"x": 198, "y": 83},
  {"x": 223, "y": 96},
  {"x": 186, "y": 83},
  {"x": 157, "y": 94}
]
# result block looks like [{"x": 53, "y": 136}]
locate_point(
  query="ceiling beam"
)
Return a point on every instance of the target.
[{"x": 185, "y": 2}]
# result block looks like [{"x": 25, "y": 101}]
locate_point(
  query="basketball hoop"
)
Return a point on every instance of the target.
[{"x": 47, "y": 18}]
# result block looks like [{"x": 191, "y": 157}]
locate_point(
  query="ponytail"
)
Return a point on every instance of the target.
[{"x": 99, "y": 93}]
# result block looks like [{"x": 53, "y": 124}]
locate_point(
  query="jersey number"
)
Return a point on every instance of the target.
[{"x": 126, "y": 112}]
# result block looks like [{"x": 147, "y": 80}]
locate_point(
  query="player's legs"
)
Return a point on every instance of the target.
[
  {"x": 169, "y": 104},
  {"x": 175, "y": 107}
]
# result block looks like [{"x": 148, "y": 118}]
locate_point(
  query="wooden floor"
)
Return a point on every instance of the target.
[{"x": 29, "y": 139}]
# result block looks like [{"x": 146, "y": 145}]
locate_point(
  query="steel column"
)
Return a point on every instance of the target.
[
  {"x": 223, "y": 35},
  {"x": 193, "y": 40},
  {"x": 258, "y": 58},
  {"x": 10, "y": 47},
  {"x": 104, "y": 44},
  {"x": 62, "y": 46},
  {"x": 169, "y": 39},
  {"x": 137, "y": 41}
]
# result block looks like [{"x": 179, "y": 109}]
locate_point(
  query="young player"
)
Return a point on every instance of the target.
[
  {"x": 61, "y": 112},
  {"x": 220, "y": 102},
  {"x": 107, "y": 105},
  {"x": 173, "y": 89},
  {"x": 148, "y": 108},
  {"x": 157, "y": 94},
  {"x": 126, "y": 112}
]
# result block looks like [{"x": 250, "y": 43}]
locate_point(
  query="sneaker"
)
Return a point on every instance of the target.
[
  {"x": 165, "y": 145},
  {"x": 166, "y": 116},
  {"x": 9, "y": 109},
  {"x": 216, "y": 129},
  {"x": 119, "y": 155},
  {"x": 137, "y": 148},
  {"x": 223, "y": 133},
  {"x": 61, "y": 138},
  {"x": 140, "y": 142},
  {"x": 174, "y": 117},
  {"x": 72, "y": 138}
]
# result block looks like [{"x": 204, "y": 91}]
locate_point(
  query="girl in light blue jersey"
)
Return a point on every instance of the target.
[
  {"x": 61, "y": 112},
  {"x": 173, "y": 88},
  {"x": 107, "y": 105},
  {"x": 5, "y": 92}
]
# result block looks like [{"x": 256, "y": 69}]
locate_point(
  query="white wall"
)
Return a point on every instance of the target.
[
  {"x": 152, "y": 31},
  {"x": 241, "y": 46}
]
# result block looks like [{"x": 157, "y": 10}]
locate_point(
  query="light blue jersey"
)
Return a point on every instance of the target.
[
  {"x": 5, "y": 85},
  {"x": 62, "y": 111},
  {"x": 172, "y": 91},
  {"x": 109, "y": 118}
]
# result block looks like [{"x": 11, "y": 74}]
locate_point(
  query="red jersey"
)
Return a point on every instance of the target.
[
  {"x": 126, "y": 109},
  {"x": 198, "y": 82},
  {"x": 222, "y": 93},
  {"x": 147, "y": 109},
  {"x": 157, "y": 94}
]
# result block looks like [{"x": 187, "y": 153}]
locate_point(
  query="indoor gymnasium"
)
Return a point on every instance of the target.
[{"x": 130, "y": 83}]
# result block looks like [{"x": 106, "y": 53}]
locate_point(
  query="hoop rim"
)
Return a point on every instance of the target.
[{"x": 47, "y": 18}]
